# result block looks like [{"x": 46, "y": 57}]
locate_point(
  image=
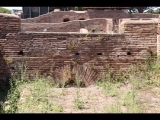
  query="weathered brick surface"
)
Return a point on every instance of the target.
[
  {"x": 158, "y": 28},
  {"x": 42, "y": 50},
  {"x": 158, "y": 37},
  {"x": 141, "y": 33},
  {"x": 8, "y": 24},
  {"x": 137, "y": 38},
  {"x": 56, "y": 17},
  {"x": 92, "y": 25},
  {"x": 158, "y": 44}
]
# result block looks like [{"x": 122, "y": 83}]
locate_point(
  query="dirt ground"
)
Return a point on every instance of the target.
[{"x": 93, "y": 99}]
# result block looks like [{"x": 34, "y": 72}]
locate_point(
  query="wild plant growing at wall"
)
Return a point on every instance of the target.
[{"x": 10, "y": 105}]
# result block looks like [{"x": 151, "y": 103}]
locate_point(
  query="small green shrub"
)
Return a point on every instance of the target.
[{"x": 4, "y": 10}]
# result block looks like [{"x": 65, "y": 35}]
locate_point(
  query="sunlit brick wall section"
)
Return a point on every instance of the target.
[
  {"x": 158, "y": 37},
  {"x": 141, "y": 33},
  {"x": 9, "y": 24},
  {"x": 57, "y": 17},
  {"x": 44, "y": 51},
  {"x": 100, "y": 25}
]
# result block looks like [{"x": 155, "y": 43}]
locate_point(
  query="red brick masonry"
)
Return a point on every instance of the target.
[{"x": 62, "y": 43}]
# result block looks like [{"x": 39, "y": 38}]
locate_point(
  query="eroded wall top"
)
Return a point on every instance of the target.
[
  {"x": 9, "y": 24},
  {"x": 138, "y": 25},
  {"x": 100, "y": 25},
  {"x": 57, "y": 17},
  {"x": 62, "y": 16}
]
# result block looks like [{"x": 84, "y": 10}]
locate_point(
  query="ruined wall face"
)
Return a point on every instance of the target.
[
  {"x": 137, "y": 38},
  {"x": 141, "y": 33},
  {"x": 42, "y": 51},
  {"x": 57, "y": 17},
  {"x": 9, "y": 24},
  {"x": 140, "y": 20},
  {"x": 158, "y": 37},
  {"x": 73, "y": 26},
  {"x": 92, "y": 25},
  {"x": 158, "y": 28}
]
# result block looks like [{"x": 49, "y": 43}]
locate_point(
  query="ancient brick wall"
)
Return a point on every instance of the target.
[
  {"x": 158, "y": 37},
  {"x": 158, "y": 28},
  {"x": 92, "y": 25},
  {"x": 158, "y": 45},
  {"x": 60, "y": 16},
  {"x": 8, "y": 24},
  {"x": 43, "y": 51},
  {"x": 56, "y": 17},
  {"x": 141, "y": 32}
]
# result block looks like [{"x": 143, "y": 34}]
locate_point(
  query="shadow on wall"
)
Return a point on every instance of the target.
[{"x": 4, "y": 80}]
